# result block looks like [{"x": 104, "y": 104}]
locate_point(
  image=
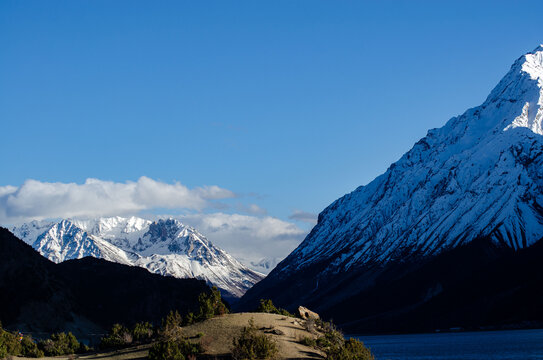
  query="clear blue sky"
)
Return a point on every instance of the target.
[{"x": 298, "y": 102}]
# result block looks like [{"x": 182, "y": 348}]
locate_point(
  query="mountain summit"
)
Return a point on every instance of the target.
[
  {"x": 166, "y": 247},
  {"x": 478, "y": 177}
]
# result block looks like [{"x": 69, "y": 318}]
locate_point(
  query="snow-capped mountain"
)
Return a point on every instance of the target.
[
  {"x": 479, "y": 176},
  {"x": 166, "y": 247},
  {"x": 265, "y": 265},
  {"x": 64, "y": 240}
]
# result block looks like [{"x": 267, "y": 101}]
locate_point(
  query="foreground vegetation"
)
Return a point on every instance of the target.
[
  {"x": 170, "y": 341},
  {"x": 266, "y": 306},
  {"x": 329, "y": 338},
  {"x": 253, "y": 345},
  {"x": 17, "y": 344},
  {"x": 171, "y": 344},
  {"x": 333, "y": 343}
]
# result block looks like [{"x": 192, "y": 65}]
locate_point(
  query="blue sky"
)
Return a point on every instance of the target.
[{"x": 287, "y": 105}]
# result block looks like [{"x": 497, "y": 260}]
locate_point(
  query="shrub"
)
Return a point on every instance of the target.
[
  {"x": 211, "y": 304},
  {"x": 253, "y": 345},
  {"x": 333, "y": 338},
  {"x": 352, "y": 349},
  {"x": 83, "y": 348},
  {"x": 171, "y": 326},
  {"x": 29, "y": 348},
  {"x": 190, "y": 318},
  {"x": 9, "y": 344},
  {"x": 266, "y": 306},
  {"x": 308, "y": 341},
  {"x": 310, "y": 325},
  {"x": 336, "y": 347},
  {"x": 165, "y": 350},
  {"x": 173, "y": 319},
  {"x": 60, "y": 344},
  {"x": 19, "y": 345},
  {"x": 119, "y": 336},
  {"x": 189, "y": 348},
  {"x": 143, "y": 331},
  {"x": 175, "y": 349}
]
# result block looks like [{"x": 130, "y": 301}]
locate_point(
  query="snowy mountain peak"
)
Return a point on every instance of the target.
[
  {"x": 514, "y": 104},
  {"x": 165, "y": 246},
  {"x": 166, "y": 229},
  {"x": 29, "y": 232},
  {"x": 124, "y": 225},
  {"x": 533, "y": 63},
  {"x": 64, "y": 241},
  {"x": 166, "y": 236},
  {"x": 519, "y": 93},
  {"x": 531, "y": 98},
  {"x": 480, "y": 175}
]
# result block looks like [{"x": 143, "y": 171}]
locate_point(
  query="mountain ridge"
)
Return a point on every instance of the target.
[
  {"x": 478, "y": 176},
  {"x": 165, "y": 246},
  {"x": 83, "y": 295},
  {"x": 437, "y": 147}
]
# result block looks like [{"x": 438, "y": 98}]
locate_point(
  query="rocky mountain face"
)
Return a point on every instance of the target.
[
  {"x": 85, "y": 296},
  {"x": 165, "y": 247},
  {"x": 478, "y": 178}
]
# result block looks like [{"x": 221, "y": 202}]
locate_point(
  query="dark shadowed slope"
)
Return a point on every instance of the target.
[
  {"x": 475, "y": 286},
  {"x": 30, "y": 291},
  {"x": 38, "y": 295}
]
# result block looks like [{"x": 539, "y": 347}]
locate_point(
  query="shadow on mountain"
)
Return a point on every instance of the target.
[
  {"x": 85, "y": 295},
  {"x": 477, "y": 286}
]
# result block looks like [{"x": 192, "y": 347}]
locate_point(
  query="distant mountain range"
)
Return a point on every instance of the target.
[
  {"x": 266, "y": 264},
  {"x": 85, "y": 296},
  {"x": 474, "y": 186},
  {"x": 165, "y": 247}
]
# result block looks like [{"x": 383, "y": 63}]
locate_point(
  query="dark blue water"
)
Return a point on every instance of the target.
[{"x": 486, "y": 345}]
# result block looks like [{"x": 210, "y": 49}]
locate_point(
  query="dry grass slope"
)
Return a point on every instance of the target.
[
  {"x": 286, "y": 331},
  {"x": 217, "y": 334}
]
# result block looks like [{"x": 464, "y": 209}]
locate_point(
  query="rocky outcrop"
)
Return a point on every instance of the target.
[{"x": 305, "y": 313}]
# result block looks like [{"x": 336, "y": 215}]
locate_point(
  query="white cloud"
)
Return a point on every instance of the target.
[
  {"x": 248, "y": 238},
  {"x": 6, "y": 190},
  {"x": 37, "y": 200},
  {"x": 251, "y": 209},
  {"x": 304, "y": 216}
]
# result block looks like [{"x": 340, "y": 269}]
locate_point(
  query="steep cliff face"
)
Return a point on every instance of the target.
[{"x": 478, "y": 177}]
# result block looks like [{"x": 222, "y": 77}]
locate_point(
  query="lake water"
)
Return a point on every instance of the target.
[{"x": 485, "y": 345}]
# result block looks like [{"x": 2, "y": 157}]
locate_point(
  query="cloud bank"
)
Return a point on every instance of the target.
[
  {"x": 304, "y": 216},
  {"x": 38, "y": 200},
  {"x": 250, "y": 237}
]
